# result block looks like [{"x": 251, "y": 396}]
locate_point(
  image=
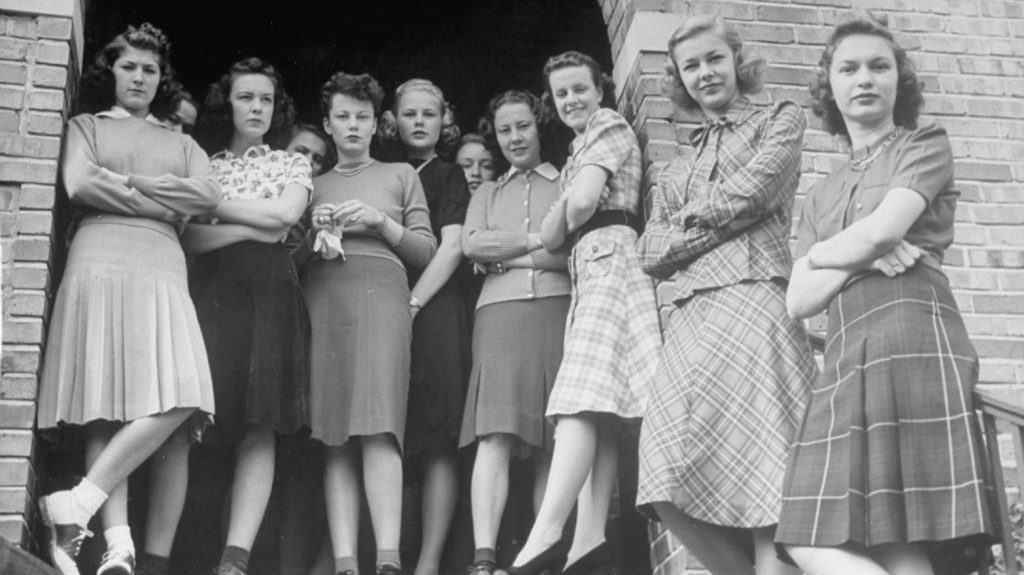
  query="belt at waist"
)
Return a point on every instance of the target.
[{"x": 605, "y": 218}]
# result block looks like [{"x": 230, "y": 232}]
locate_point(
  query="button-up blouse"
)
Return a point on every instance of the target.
[
  {"x": 500, "y": 216},
  {"x": 260, "y": 173},
  {"x": 724, "y": 216},
  {"x": 609, "y": 142}
]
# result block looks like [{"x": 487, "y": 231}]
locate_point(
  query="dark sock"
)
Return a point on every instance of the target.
[
  {"x": 389, "y": 556},
  {"x": 150, "y": 564},
  {"x": 235, "y": 556},
  {"x": 485, "y": 554},
  {"x": 342, "y": 564}
]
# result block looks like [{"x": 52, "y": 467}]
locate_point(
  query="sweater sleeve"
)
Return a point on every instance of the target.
[
  {"x": 417, "y": 245},
  {"x": 196, "y": 193},
  {"x": 485, "y": 245}
]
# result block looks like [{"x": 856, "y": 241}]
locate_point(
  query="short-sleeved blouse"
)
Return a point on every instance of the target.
[
  {"x": 919, "y": 159},
  {"x": 260, "y": 173},
  {"x": 609, "y": 142}
]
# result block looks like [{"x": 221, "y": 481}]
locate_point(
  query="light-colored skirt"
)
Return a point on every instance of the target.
[{"x": 124, "y": 342}]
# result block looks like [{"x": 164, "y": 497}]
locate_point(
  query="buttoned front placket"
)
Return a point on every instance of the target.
[{"x": 531, "y": 291}]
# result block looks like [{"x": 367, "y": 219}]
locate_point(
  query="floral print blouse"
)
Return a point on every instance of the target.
[{"x": 260, "y": 173}]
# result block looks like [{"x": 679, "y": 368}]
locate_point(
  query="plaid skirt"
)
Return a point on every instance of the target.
[
  {"x": 725, "y": 407},
  {"x": 612, "y": 333},
  {"x": 890, "y": 450}
]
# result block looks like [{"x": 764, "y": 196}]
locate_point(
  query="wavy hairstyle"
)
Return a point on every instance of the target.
[
  {"x": 909, "y": 90},
  {"x": 330, "y": 157},
  {"x": 216, "y": 125},
  {"x": 358, "y": 86},
  {"x": 573, "y": 59},
  {"x": 500, "y": 164},
  {"x": 387, "y": 128},
  {"x": 97, "y": 84},
  {"x": 749, "y": 69}
]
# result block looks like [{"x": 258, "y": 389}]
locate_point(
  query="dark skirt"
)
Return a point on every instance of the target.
[
  {"x": 362, "y": 332},
  {"x": 517, "y": 350},
  {"x": 256, "y": 328},
  {"x": 440, "y": 371},
  {"x": 890, "y": 450}
]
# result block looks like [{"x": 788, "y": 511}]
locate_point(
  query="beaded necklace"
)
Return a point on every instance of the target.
[{"x": 861, "y": 164}]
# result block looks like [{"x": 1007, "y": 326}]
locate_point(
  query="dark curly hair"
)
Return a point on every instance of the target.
[
  {"x": 387, "y": 128},
  {"x": 541, "y": 113},
  {"x": 573, "y": 59},
  {"x": 216, "y": 125},
  {"x": 302, "y": 127},
  {"x": 488, "y": 143},
  {"x": 749, "y": 70},
  {"x": 909, "y": 90},
  {"x": 359, "y": 86},
  {"x": 97, "y": 85}
]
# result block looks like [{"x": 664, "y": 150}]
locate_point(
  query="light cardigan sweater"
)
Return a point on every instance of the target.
[{"x": 500, "y": 216}]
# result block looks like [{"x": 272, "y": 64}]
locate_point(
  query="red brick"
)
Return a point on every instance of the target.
[
  {"x": 756, "y": 32},
  {"x": 917, "y": 23},
  {"x": 972, "y": 279},
  {"x": 35, "y": 222},
  {"x": 22, "y": 26},
  {"x": 46, "y": 100},
  {"x": 944, "y": 105},
  {"x": 1003, "y": 47},
  {"x": 816, "y": 35},
  {"x": 788, "y": 75},
  {"x": 53, "y": 53},
  {"x": 14, "y": 500},
  {"x": 11, "y": 73},
  {"x": 8, "y": 225},
  {"x": 14, "y": 529},
  {"x": 15, "y": 471},
  {"x": 936, "y": 6},
  {"x": 17, "y": 386},
  {"x": 971, "y": 127},
  {"x": 971, "y": 235},
  {"x": 37, "y": 197},
  {"x": 1003, "y": 193},
  {"x": 985, "y": 172},
  {"x": 17, "y": 414},
  {"x": 1012, "y": 280},
  {"x": 788, "y": 14},
  {"x": 988, "y": 66},
  {"x": 20, "y": 359},
  {"x": 998, "y": 347},
  {"x": 13, "y": 49},
  {"x": 995, "y": 108},
  {"x": 26, "y": 303},
  {"x": 56, "y": 28},
  {"x": 29, "y": 146},
  {"x": 49, "y": 76},
  {"x": 1002, "y": 304},
  {"x": 9, "y": 121},
  {"x": 728, "y": 10},
  {"x": 976, "y": 85},
  {"x": 963, "y": 7},
  {"x": 9, "y": 196},
  {"x": 15, "y": 443},
  {"x": 12, "y": 98},
  {"x": 30, "y": 275},
  {"x": 23, "y": 330},
  {"x": 26, "y": 170},
  {"x": 32, "y": 249},
  {"x": 46, "y": 123},
  {"x": 985, "y": 324},
  {"x": 997, "y": 258},
  {"x": 839, "y": 3},
  {"x": 784, "y": 54}
]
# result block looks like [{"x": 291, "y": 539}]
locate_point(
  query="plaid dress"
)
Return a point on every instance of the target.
[
  {"x": 735, "y": 372},
  {"x": 889, "y": 450},
  {"x": 612, "y": 334}
]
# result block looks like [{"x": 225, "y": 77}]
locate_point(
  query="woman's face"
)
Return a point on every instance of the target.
[
  {"x": 516, "y": 128},
  {"x": 478, "y": 164},
  {"x": 136, "y": 79},
  {"x": 864, "y": 79},
  {"x": 419, "y": 121},
  {"x": 351, "y": 124},
  {"x": 252, "y": 105},
  {"x": 312, "y": 148},
  {"x": 575, "y": 95},
  {"x": 707, "y": 68}
]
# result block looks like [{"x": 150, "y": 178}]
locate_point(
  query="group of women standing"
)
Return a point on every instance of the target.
[{"x": 749, "y": 456}]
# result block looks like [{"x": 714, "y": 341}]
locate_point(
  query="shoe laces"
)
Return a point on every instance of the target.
[
  {"x": 116, "y": 553},
  {"x": 74, "y": 545}
]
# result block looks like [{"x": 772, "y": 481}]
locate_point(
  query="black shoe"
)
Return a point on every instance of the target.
[
  {"x": 482, "y": 568},
  {"x": 550, "y": 561},
  {"x": 598, "y": 561}
]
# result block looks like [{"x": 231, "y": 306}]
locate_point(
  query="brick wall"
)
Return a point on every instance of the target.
[
  {"x": 970, "y": 55},
  {"x": 37, "y": 71}
]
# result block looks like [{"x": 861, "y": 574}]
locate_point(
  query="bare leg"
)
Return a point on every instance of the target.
[
  {"x": 168, "y": 485},
  {"x": 382, "y": 476},
  {"x": 902, "y": 559},
  {"x": 115, "y": 510},
  {"x": 596, "y": 495},
  {"x": 845, "y": 560},
  {"x": 489, "y": 487},
  {"x": 250, "y": 490},
  {"x": 132, "y": 445},
  {"x": 766, "y": 559},
  {"x": 440, "y": 492},
  {"x": 575, "y": 444},
  {"x": 341, "y": 491},
  {"x": 714, "y": 546}
]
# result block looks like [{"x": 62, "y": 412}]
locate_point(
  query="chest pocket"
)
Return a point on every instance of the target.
[{"x": 597, "y": 258}]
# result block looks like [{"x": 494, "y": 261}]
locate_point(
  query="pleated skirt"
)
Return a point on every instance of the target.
[
  {"x": 890, "y": 449},
  {"x": 725, "y": 406},
  {"x": 517, "y": 350},
  {"x": 362, "y": 334},
  {"x": 124, "y": 342}
]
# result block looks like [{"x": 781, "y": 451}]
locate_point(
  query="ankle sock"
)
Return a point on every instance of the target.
[
  {"x": 342, "y": 564},
  {"x": 150, "y": 564},
  {"x": 119, "y": 537},
  {"x": 389, "y": 556},
  {"x": 235, "y": 556},
  {"x": 485, "y": 554},
  {"x": 86, "y": 500}
]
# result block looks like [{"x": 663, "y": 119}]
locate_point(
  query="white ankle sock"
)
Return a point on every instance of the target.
[
  {"x": 119, "y": 537},
  {"x": 87, "y": 499}
]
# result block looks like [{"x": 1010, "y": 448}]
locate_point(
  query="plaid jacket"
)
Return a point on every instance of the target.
[{"x": 724, "y": 216}]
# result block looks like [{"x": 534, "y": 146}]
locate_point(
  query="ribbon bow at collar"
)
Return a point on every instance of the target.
[{"x": 710, "y": 125}]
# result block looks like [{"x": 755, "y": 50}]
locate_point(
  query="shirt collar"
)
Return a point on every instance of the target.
[
  {"x": 257, "y": 151},
  {"x": 545, "y": 170},
  {"x": 739, "y": 112},
  {"x": 119, "y": 113}
]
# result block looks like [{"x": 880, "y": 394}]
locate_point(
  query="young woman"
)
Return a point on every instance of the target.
[
  {"x": 520, "y": 318},
  {"x": 246, "y": 290},
  {"x": 736, "y": 369},
  {"x": 125, "y": 355},
  {"x": 476, "y": 159},
  {"x": 362, "y": 321},
  {"x": 612, "y": 338},
  {"x": 886, "y": 464},
  {"x": 313, "y": 144},
  {"x": 423, "y": 123}
]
